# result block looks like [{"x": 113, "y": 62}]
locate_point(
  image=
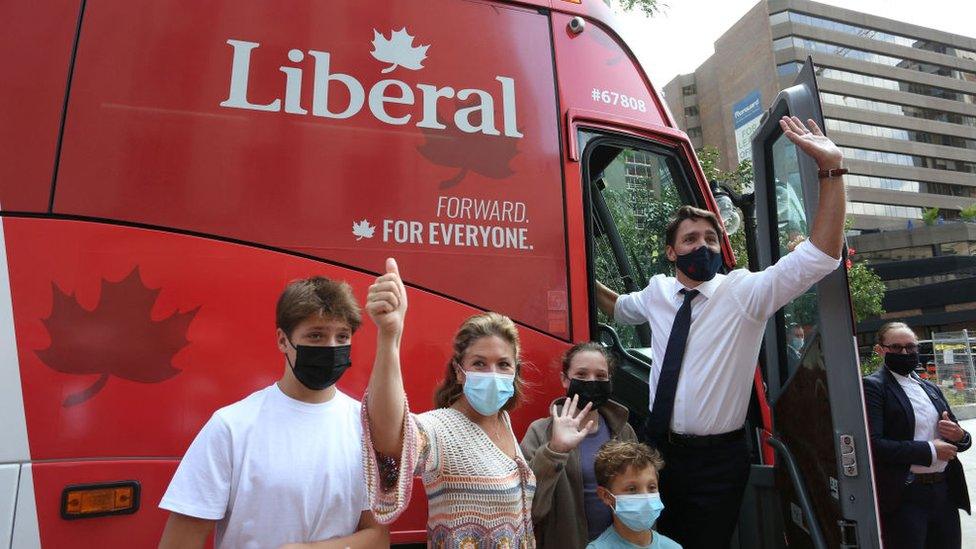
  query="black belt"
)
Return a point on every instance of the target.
[
  {"x": 928, "y": 478},
  {"x": 704, "y": 441}
]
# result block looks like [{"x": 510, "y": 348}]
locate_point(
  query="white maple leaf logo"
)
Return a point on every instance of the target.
[
  {"x": 399, "y": 50},
  {"x": 362, "y": 229}
]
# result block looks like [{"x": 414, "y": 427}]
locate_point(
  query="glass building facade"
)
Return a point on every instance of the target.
[{"x": 898, "y": 100}]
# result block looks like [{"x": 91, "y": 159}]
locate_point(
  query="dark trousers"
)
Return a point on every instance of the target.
[
  {"x": 925, "y": 519},
  {"x": 702, "y": 492}
]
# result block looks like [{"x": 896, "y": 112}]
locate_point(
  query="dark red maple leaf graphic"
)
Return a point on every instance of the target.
[
  {"x": 117, "y": 338},
  {"x": 488, "y": 155}
]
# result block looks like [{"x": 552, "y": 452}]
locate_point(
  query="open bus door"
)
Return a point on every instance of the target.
[{"x": 820, "y": 434}]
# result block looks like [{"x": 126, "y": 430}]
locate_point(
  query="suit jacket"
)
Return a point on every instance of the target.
[{"x": 891, "y": 420}]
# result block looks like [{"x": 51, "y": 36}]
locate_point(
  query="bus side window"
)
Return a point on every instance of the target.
[
  {"x": 639, "y": 190},
  {"x": 799, "y": 317}
]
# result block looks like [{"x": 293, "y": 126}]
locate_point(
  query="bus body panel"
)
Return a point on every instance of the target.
[
  {"x": 183, "y": 118},
  {"x": 140, "y": 529},
  {"x": 213, "y": 153},
  {"x": 35, "y": 47},
  {"x": 175, "y": 323}
]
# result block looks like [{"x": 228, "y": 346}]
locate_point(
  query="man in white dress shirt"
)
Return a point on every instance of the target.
[
  {"x": 706, "y": 331},
  {"x": 914, "y": 441}
]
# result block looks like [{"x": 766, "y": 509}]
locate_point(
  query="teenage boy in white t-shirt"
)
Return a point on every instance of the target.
[{"x": 284, "y": 465}]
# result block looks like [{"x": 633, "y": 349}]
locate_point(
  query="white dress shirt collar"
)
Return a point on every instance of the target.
[
  {"x": 706, "y": 288},
  {"x": 910, "y": 378}
]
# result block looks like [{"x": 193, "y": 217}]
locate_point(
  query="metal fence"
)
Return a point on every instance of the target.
[{"x": 951, "y": 366}]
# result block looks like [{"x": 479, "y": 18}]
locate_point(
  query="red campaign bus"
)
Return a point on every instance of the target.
[{"x": 166, "y": 167}]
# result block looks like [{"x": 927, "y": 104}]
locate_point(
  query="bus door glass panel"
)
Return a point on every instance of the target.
[
  {"x": 633, "y": 190},
  {"x": 799, "y": 317},
  {"x": 819, "y": 429}
]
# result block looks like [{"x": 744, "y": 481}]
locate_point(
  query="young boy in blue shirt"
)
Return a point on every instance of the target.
[{"x": 626, "y": 475}]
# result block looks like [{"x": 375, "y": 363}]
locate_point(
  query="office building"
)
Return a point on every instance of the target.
[{"x": 900, "y": 100}]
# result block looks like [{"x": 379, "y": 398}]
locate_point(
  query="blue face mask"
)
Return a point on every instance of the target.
[
  {"x": 638, "y": 512},
  {"x": 488, "y": 392},
  {"x": 700, "y": 264}
]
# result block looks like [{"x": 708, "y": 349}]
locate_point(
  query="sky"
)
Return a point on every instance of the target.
[{"x": 682, "y": 22}]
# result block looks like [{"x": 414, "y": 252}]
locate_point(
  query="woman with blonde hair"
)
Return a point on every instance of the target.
[{"x": 479, "y": 487}]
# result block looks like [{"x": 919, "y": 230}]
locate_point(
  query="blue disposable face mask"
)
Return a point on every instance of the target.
[
  {"x": 638, "y": 512},
  {"x": 701, "y": 264},
  {"x": 488, "y": 392}
]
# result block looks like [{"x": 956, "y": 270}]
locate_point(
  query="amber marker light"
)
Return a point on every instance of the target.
[{"x": 99, "y": 500}]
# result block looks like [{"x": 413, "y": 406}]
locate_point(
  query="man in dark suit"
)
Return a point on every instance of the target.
[{"x": 914, "y": 440}]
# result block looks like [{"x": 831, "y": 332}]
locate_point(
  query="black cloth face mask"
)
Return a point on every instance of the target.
[
  {"x": 901, "y": 363},
  {"x": 700, "y": 264},
  {"x": 596, "y": 391},
  {"x": 319, "y": 368}
]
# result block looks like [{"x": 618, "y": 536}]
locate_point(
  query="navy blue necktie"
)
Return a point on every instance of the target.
[{"x": 667, "y": 383}]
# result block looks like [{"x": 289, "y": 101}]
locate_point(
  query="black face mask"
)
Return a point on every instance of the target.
[
  {"x": 701, "y": 264},
  {"x": 320, "y": 367},
  {"x": 901, "y": 363},
  {"x": 596, "y": 391}
]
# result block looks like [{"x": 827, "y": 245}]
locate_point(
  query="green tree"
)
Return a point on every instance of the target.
[
  {"x": 930, "y": 216},
  {"x": 968, "y": 213},
  {"x": 648, "y": 7},
  {"x": 867, "y": 289},
  {"x": 740, "y": 179},
  {"x": 870, "y": 363}
]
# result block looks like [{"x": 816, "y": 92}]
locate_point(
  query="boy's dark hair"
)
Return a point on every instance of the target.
[
  {"x": 589, "y": 346},
  {"x": 316, "y": 295},
  {"x": 689, "y": 212},
  {"x": 616, "y": 456}
]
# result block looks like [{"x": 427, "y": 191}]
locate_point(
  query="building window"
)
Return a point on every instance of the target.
[
  {"x": 689, "y": 90},
  {"x": 884, "y": 210},
  {"x": 691, "y": 111},
  {"x": 871, "y": 34},
  {"x": 886, "y": 132},
  {"x": 909, "y": 160},
  {"x": 957, "y": 248},
  {"x": 871, "y": 57},
  {"x": 782, "y": 43},
  {"x": 778, "y": 18},
  {"x": 892, "y": 108},
  {"x": 908, "y": 186},
  {"x": 885, "y": 183},
  {"x": 897, "y": 254},
  {"x": 787, "y": 69},
  {"x": 896, "y": 85},
  {"x": 694, "y": 132},
  {"x": 949, "y": 189}
]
